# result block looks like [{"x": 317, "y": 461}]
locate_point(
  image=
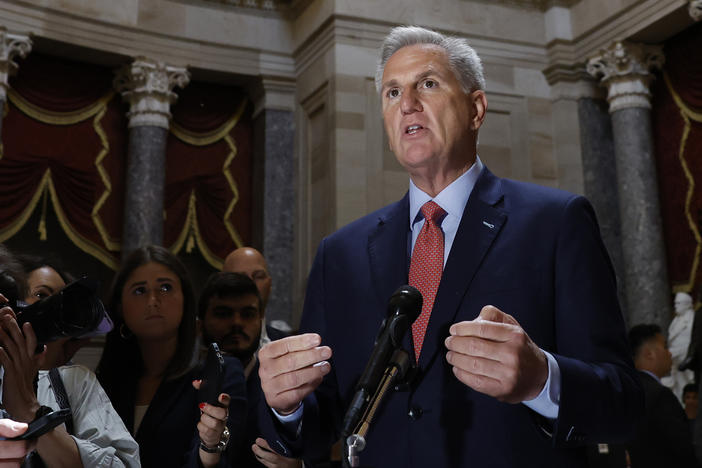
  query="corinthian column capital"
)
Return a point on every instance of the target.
[
  {"x": 695, "y": 9},
  {"x": 148, "y": 87},
  {"x": 624, "y": 68},
  {"x": 11, "y": 45}
]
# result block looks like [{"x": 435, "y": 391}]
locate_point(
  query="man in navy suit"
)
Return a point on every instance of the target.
[{"x": 524, "y": 358}]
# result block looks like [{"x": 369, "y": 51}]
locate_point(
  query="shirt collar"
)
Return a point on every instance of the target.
[
  {"x": 651, "y": 374},
  {"x": 452, "y": 199}
]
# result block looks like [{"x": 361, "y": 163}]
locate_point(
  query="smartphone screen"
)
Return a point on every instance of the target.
[{"x": 212, "y": 376}]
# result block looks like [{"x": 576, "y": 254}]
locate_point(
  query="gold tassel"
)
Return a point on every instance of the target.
[
  {"x": 191, "y": 243},
  {"x": 42, "y": 220}
]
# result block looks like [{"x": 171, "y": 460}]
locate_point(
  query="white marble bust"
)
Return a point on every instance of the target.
[{"x": 679, "y": 334}]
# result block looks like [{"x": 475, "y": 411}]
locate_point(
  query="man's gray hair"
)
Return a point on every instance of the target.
[{"x": 462, "y": 58}]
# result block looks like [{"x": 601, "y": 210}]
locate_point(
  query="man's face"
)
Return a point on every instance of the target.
[
  {"x": 431, "y": 122},
  {"x": 252, "y": 264},
  {"x": 234, "y": 323},
  {"x": 690, "y": 398},
  {"x": 682, "y": 303},
  {"x": 663, "y": 358}
]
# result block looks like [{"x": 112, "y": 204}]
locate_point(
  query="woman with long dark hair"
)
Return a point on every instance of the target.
[{"x": 149, "y": 368}]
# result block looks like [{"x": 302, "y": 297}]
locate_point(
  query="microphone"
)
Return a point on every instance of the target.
[{"x": 403, "y": 309}]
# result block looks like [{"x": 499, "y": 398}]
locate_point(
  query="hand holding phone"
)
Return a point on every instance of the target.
[
  {"x": 212, "y": 376},
  {"x": 44, "y": 424}
]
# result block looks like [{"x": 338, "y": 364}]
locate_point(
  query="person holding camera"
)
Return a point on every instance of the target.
[
  {"x": 149, "y": 368},
  {"x": 94, "y": 434}
]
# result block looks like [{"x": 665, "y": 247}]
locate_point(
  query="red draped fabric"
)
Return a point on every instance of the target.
[
  {"x": 208, "y": 173},
  {"x": 677, "y": 132},
  {"x": 64, "y": 147}
]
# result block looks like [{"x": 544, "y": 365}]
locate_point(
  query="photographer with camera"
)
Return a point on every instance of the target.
[{"x": 93, "y": 434}]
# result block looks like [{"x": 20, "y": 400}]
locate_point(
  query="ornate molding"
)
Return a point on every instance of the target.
[
  {"x": 147, "y": 85},
  {"x": 695, "y": 9},
  {"x": 541, "y": 5},
  {"x": 624, "y": 68},
  {"x": 11, "y": 45},
  {"x": 292, "y": 8}
]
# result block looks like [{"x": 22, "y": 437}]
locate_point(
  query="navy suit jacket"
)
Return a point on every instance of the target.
[{"x": 531, "y": 251}]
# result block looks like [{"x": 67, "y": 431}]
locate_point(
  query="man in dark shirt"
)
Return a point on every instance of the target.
[
  {"x": 663, "y": 435},
  {"x": 231, "y": 310}
]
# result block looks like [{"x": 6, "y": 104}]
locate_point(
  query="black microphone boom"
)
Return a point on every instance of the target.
[{"x": 403, "y": 309}]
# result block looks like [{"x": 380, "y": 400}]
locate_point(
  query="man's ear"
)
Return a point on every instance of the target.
[{"x": 478, "y": 102}]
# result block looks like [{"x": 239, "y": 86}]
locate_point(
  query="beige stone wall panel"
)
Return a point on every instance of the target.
[{"x": 181, "y": 37}]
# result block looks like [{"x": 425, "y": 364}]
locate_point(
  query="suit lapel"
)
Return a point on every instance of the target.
[
  {"x": 479, "y": 227},
  {"x": 387, "y": 250}
]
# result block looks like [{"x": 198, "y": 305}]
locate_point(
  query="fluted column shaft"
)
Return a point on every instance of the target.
[
  {"x": 147, "y": 85},
  {"x": 625, "y": 71}
]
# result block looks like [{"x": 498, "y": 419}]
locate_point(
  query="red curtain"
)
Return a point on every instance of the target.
[
  {"x": 208, "y": 173},
  {"x": 677, "y": 131},
  {"x": 65, "y": 149},
  {"x": 64, "y": 144}
]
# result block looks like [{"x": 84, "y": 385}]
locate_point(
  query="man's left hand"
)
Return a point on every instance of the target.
[{"x": 493, "y": 355}]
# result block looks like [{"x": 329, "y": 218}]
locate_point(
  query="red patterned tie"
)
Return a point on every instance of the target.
[{"x": 426, "y": 267}]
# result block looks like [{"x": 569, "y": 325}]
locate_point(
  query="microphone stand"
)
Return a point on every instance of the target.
[{"x": 356, "y": 442}]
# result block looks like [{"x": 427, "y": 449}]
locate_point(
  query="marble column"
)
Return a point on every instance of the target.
[
  {"x": 625, "y": 70},
  {"x": 274, "y": 190},
  {"x": 695, "y": 9},
  {"x": 147, "y": 86},
  {"x": 11, "y": 45},
  {"x": 600, "y": 179}
]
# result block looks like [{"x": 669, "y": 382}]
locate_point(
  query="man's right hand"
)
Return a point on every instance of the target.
[{"x": 292, "y": 368}]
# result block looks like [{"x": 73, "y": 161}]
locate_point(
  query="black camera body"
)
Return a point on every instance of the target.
[{"x": 72, "y": 312}]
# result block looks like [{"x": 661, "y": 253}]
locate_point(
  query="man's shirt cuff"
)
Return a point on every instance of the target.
[
  {"x": 549, "y": 400},
  {"x": 292, "y": 423}
]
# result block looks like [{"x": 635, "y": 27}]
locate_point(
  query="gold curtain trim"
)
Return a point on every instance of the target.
[
  {"x": 191, "y": 233},
  {"x": 235, "y": 192},
  {"x": 204, "y": 139},
  {"x": 82, "y": 243},
  {"x": 110, "y": 243},
  {"x": 96, "y": 110},
  {"x": 684, "y": 108},
  {"x": 12, "y": 229},
  {"x": 59, "y": 118},
  {"x": 686, "y": 114}
]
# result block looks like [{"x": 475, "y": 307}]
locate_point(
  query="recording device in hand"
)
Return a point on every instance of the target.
[
  {"x": 212, "y": 376},
  {"x": 74, "y": 311},
  {"x": 404, "y": 307},
  {"x": 44, "y": 424}
]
